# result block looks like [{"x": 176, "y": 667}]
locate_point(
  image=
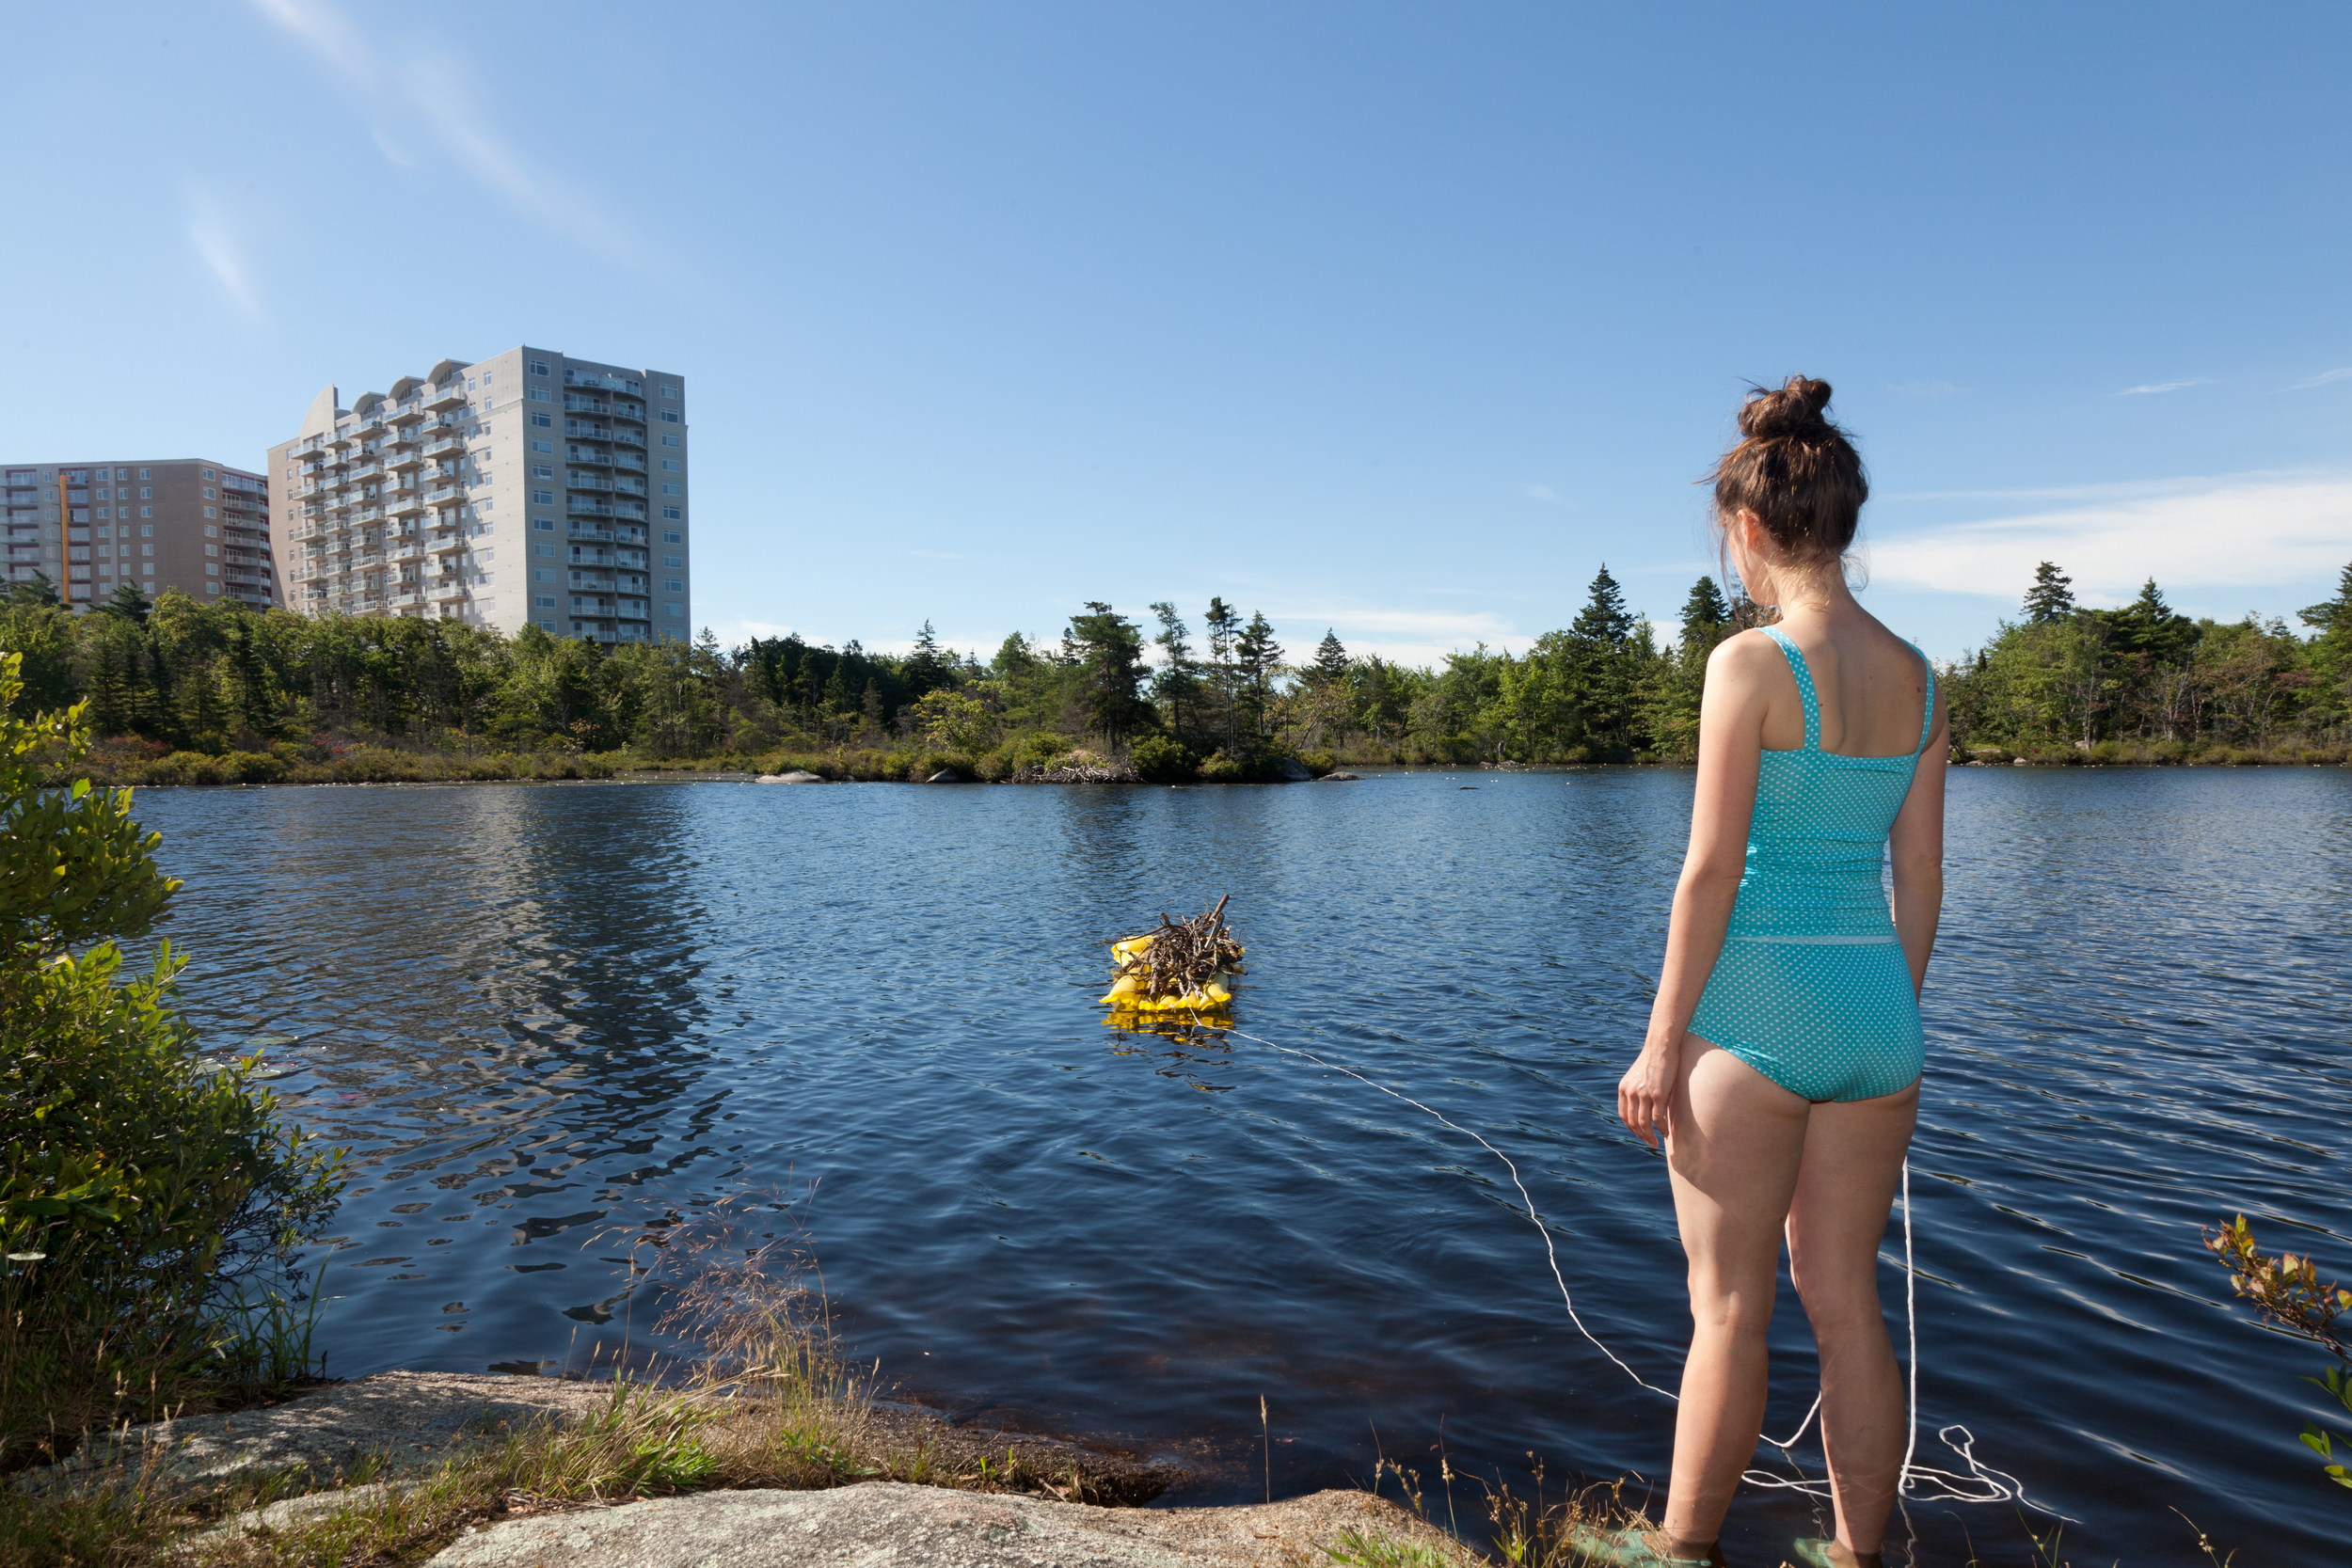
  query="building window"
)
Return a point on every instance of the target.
[
  {"x": 211, "y": 532},
  {"x": 147, "y": 473},
  {"x": 669, "y": 440},
  {"x": 669, "y": 391},
  {"x": 539, "y": 394},
  {"x": 672, "y": 536},
  {"x": 547, "y": 601},
  {"x": 539, "y": 497},
  {"x": 671, "y": 514},
  {"x": 669, "y": 465},
  {"x": 539, "y": 367},
  {"x": 146, "y": 549},
  {"x": 208, "y": 494},
  {"x": 147, "y": 511},
  {"x": 674, "y": 562},
  {"x": 208, "y": 473},
  {"x": 211, "y": 588},
  {"x": 541, "y": 470},
  {"x": 212, "y": 568},
  {"x": 147, "y": 492},
  {"x": 673, "y": 585},
  {"x": 542, "y": 446},
  {"x": 544, "y": 421},
  {"x": 669, "y": 416},
  {"x": 547, "y": 523},
  {"x": 211, "y": 512},
  {"x": 675, "y": 611}
]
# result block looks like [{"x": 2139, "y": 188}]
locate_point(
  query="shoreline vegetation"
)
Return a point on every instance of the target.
[{"x": 189, "y": 693}]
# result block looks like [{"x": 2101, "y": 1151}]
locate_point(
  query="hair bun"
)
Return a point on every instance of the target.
[{"x": 1792, "y": 409}]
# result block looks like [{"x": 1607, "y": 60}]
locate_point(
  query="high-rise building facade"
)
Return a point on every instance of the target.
[
  {"x": 184, "y": 523},
  {"x": 527, "y": 488}
]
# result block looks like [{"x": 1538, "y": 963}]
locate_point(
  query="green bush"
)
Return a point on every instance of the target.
[
  {"x": 1223, "y": 766},
  {"x": 150, "y": 1205},
  {"x": 1318, "y": 763},
  {"x": 1162, "y": 759}
]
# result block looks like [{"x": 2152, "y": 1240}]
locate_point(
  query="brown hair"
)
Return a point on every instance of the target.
[{"x": 1795, "y": 471}]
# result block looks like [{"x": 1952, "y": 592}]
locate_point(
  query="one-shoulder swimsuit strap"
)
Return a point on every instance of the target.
[{"x": 1812, "y": 988}]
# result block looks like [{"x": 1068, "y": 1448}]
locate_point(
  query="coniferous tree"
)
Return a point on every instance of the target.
[
  {"x": 1224, "y": 624},
  {"x": 1600, "y": 670},
  {"x": 35, "y": 590},
  {"x": 1331, "y": 665},
  {"x": 1257, "y": 658},
  {"x": 2051, "y": 598},
  {"x": 1178, "y": 681},
  {"x": 128, "y": 603},
  {"x": 1108, "y": 652}
]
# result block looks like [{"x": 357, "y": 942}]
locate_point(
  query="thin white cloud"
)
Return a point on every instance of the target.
[
  {"x": 2160, "y": 386},
  {"x": 2322, "y": 379},
  {"x": 216, "y": 242},
  {"x": 1541, "y": 492},
  {"x": 434, "y": 95},
  {"x": 2193, "y": 536}
]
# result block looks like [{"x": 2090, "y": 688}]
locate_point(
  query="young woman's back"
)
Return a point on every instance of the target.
[{"x": 1785, "y": 1047}]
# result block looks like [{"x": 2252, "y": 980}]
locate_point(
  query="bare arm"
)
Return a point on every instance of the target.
[
  {"x": 1915, "y": 846},
  {"x": 1731, "y": 728}
]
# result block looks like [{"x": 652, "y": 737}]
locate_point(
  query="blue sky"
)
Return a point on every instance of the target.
[{"x": 1396, "y": 319}]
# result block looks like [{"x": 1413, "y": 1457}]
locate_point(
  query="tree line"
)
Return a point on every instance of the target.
[
  {"x": 1169, "y": 696},
  {"x": 2147, "y": 683}
]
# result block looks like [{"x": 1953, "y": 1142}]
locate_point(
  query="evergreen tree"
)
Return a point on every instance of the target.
[
  {"x": 2336, "y": 613},
  {"x": 1108, "y": 650},
  {"x": 1257, "y": 658},
  {"x": 2051, "y": 598},
  {"x": 1179, "y": 681},
  {"x": 35, "y": 592},
  {"x": 1599, "y": 668},
  {"x": 1705, "y": 614},
  {"x": 2151, "y": 626},
  {"x": 1223, "y": 623},
  {"x": 128, "y": 603},
  {"x": 1331, "y": 665}
]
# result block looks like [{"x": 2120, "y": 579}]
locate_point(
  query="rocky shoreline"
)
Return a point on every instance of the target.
[{"x": 996, "y": 1497}]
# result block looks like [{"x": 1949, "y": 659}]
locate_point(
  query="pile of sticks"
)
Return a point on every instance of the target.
[{"x": 1177, "y": 959}]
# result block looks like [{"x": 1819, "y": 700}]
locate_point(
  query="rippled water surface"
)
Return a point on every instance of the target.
[{"x": 534, "y": 1012}]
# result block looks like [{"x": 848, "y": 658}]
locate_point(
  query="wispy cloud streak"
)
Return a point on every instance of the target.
[
  {"x": 430, "y": 94},
  {"x": 216, "y": 245},
  {"x": 2160, "y": 386}
]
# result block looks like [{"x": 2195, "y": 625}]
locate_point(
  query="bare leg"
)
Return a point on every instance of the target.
[
  {"x": 1853, "y": 1158},
  {"x": 1735, "y": 1147}
]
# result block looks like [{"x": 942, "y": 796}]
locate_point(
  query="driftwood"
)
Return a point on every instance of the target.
[{"x": 1178, "y": 958}]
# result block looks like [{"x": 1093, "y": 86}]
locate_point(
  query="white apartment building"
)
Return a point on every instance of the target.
[{"x": 527, "y": 488}]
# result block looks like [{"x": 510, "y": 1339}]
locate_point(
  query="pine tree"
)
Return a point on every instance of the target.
[
  {"x": 1705, "y": 614},
  {"x": 2051, "y": 598},
  {"x": 1110, "y": 655},
  {"x": 2336, "y": 613},
  {"x": 1223, "y": 623},
  {"x": 1258, "y": 658},
  {"x": 1331, "y": 665},
  {"x": 1178, "y": 679},
  {"x": 1601, "y": 664}
]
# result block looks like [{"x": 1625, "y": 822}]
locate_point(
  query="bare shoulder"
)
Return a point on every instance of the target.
[{"x": 1745, "y": 656}]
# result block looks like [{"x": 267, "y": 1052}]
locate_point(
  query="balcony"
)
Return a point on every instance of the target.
[
  {"x": 407, "y": 503},
  {"x": 585, "y": 405},
  {"x": 405, "y": 462},
  {"x": 447, "y": 494},
  {"x": 405, "y": 437},
  {"x": 448, "y": 446},
  {"x": 579, "y": 430},
  {"x": 633, "y": 609},
  {"x": 403, "y": 599},
  {"x": 629, "y": 460},
  {"x": 363, "y": 470},
  {"x": 590, "y": 530},
  {"x": 629, "y": 485},
  {"x": 629, "y": 411},
  {"x": 587, "y": 506},
  {"x": 442, "y": 590},
  {"x": 409, "y": 549},
  {"x": 608, "y": 383},
  {"x": 629, "y": 508},
  {"x": 587, "y": 481},
  {"x": 368, "y": 514},
  {"x": 447, "y": 543},
  {"x": 628, "y": 437},
  {"x": 448, "y": 395},
  {"x": 588, "y": 555},
  {"x": 587, "y": 454}
]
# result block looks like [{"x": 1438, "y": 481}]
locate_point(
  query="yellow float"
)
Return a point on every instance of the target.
[{"x": 1178, "y": 967}]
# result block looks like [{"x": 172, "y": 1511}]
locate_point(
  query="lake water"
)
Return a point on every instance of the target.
[{"x": 535, "y": 1013}]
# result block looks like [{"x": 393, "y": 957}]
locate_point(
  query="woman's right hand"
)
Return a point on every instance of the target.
[{"x": 1645, "y": 1093}]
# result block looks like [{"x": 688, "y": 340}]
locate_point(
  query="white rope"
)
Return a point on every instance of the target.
[{"x": 1984, "y": 1484}]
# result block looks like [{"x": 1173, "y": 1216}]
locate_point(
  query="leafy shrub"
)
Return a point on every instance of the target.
[
  {"x": 149, "y": 1206},
  {"x": 1223, "y": 766},
  {"x": 1162, "y": 759},
  {"x": 1318, "y": 763}
]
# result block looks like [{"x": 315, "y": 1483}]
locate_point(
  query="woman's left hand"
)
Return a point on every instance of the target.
[{"x": 1645, "y": 1093}]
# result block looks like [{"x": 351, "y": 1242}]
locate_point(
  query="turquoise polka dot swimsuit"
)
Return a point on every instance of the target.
[{"x": 1812, "y": 990}]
